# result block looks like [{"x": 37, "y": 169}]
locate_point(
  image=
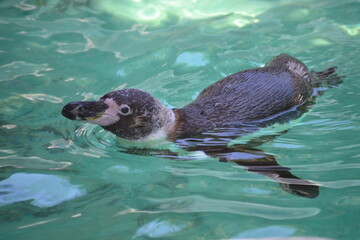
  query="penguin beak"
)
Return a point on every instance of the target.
[{"x": 84, "y": 111}]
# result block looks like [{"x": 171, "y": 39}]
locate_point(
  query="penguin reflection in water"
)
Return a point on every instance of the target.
[{"x": 236, "y": 105}]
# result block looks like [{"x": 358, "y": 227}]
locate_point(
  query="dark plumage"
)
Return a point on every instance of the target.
[{"x": 251, "y": 96}]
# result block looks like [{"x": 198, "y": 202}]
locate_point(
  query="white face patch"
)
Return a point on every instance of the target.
[{"x": 110, "y": 116}]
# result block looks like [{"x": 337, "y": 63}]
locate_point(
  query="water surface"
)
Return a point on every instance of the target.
[{"x": 65, "y": 180}]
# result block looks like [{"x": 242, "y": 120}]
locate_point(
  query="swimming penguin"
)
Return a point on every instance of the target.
[{"x": 242, "y": 102}]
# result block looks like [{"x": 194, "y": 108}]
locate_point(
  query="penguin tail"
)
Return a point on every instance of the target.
[{"x": 328, "y": 78}]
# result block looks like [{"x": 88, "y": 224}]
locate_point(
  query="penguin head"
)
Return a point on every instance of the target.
[{"x": 131, "y": 114}]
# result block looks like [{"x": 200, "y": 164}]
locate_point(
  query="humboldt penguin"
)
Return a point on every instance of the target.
[{"x": 239, "y": 103}]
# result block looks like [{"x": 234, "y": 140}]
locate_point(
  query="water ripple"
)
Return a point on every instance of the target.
[
  {"x": 17, "y": 69},
  {"x": 31, "y": 162},
  {"x": 341, "y": 183},
  {"x": 54, "y": 50},
  {"x": 199, "y": 204},
  {"x": 41, "y": 97},
  {"x": 88, "y": 142},
  {"x": 162, "y": 228}
]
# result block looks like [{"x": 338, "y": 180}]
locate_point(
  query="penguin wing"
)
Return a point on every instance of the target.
[{"x": 255, "y": 93}]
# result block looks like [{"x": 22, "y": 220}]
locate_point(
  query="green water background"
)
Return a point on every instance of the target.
[{"x": 61, "y": 179}]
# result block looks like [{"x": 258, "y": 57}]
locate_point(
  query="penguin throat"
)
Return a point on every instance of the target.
[{"x": 166, "y": 127}]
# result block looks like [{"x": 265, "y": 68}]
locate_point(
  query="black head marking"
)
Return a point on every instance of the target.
[{"x": 140, "y": 114}]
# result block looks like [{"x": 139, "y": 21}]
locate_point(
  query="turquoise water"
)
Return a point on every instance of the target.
[{"x": 67, "y": 180}]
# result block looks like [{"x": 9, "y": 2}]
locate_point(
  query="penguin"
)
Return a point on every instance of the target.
[{"x": 236, "y": 105}]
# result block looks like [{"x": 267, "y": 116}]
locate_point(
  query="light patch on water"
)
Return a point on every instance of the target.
[
  {"x": 9, "y": 126},
  {"x": 243, "y": 22},
  {"x": 72, "y": 48},
  {"x": 31, "y": 162},
  {"x": 69, "y": 79},
  {"x": 88, "y": 96},
  {"x": 41, "y": 97},
  {"x": 349, "y": 146},
  {"x": 326, "y": 166},
  {"x": 76, "y": 215},
  {"x": 192, "y": 204},
  {"x": 121, "y": 169},
  {"x": 284, "y": 238},
  {"x": 320, "y": 42},
  {"x": 38, "y": 223},
  {"x": 161, "y": 228},
  {"x": 60, "y": 143},
  {"x": 281, "y": 142},
  {"x": 43, "y": 190},
  {"x": 352, "y": 201},
  {"x": 25, "y": 6},
  {"x": 270, "y": 231},
  {"x": 341, "y": 183},
  {"x": 17, "y": 69},
  {"x": 167, "y": 104},
  {"x": 193, "y": 59},
  {"x": 157, "y": 12},
  {"x": 230, "y": 175},
  {"x": 149, "y": 13},
  {"x": 256, "y": 191},
  {"x": 197, "y": 155},
  {"x": 121, "y": 73},
  {"x": 298, "y": 14},
  {"x": 10, "y": 3},
  {"x": 7, "y": 151},
  {"x": 352, "y": 30},
  {"x": 121, "y": 86}
]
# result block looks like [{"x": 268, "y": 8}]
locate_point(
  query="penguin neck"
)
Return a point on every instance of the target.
[
  {"x": 167, "y": 126},
  {"x": 173, "y": 121},
  {"x": 177, "y": 128}
]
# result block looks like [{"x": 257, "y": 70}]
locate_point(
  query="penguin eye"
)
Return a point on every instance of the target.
[{"x": 125, "y": 110}]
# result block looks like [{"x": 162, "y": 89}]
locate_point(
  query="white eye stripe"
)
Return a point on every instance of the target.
[{"x": 125, "y": 110}]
